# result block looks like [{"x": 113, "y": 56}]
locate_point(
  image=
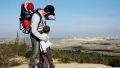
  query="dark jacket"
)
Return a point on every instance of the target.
[{"x": 24, "y": 13}]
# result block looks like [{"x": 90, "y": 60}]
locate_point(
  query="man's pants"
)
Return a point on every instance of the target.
[{"x": 45, "y": 59}]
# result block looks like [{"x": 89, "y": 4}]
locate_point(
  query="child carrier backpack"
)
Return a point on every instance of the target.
[
  {"x": 26, "y": 15},
  {"x": 27, "y": 10}
]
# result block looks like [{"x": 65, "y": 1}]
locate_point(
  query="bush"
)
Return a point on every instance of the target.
[
  {"x": 28, "y": 53},
  {"x": 8, "y": 51},
  {"x": 64, "y": 60},
  {"x": 5, "y": 54},
  {"x": 16, "y": 61},
  {"x": 114, "y": 62}
]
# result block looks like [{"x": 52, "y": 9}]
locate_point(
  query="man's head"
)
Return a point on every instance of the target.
[
  {"x": 46, "y": 29},
  {"x": 49, "y": 10}
]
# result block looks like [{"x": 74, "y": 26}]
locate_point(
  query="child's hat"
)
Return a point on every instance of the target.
[{"x": 30, "y": 6}]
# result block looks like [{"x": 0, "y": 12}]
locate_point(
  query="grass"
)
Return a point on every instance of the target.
[
  {"x": 8, "y": 51},
  {"x": 72, "y": 56}
]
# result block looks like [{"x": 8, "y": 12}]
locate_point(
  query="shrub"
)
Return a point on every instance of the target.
[
  {"x": 5, "y": 54},
  {"x": 115, "y": 62},
  {"x": 16, "y": 61},
  {"x": 65, "y": 60},
  {"x": 8, "y": 51}
]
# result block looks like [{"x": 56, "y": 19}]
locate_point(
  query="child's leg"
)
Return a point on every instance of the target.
[
  {"x": 26, "y": 24},
  {"x": 47, "y": 59},
  {"x": 50, "y": 58},
  {"x": 45, "y": 62}
]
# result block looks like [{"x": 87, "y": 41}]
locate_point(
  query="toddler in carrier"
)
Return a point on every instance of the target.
[{"x": 27, "y": 9}]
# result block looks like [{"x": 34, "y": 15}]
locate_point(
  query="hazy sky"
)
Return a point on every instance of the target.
[{"x": 75, "y": 18}]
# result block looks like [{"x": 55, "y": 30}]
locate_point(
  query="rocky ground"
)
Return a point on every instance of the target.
[{"x": 72, "y": 65}]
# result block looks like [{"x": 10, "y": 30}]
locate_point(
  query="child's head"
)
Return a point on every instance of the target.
[
  {"x": 46, "y": 29},
  {"x": 29, "y": 6}
]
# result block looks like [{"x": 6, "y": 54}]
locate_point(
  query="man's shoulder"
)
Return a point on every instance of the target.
[{"x": 37, "y": 14}]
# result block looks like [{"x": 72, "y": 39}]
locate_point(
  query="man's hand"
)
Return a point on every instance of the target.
[
  {"x": 51, "y": 17},
  {"x": 45, "y": 39}
]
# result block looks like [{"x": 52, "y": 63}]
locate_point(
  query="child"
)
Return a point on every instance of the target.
[
  {"x": 45, "y": 49},
  {"x": 26, "y": 11},
  {"x": 44, "y": 45}
]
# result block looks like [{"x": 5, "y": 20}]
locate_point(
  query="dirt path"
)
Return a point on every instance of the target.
[{"x": 71, "y": 65}]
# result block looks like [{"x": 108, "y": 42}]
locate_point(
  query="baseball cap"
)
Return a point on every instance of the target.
[{"x": 50, "y": 8}]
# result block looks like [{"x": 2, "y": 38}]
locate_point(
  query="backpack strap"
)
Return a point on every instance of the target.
[
  {"x": 40, "y": 17},
  {"x": 45, "y": 22},
  {"x": 41, "y": 21}
]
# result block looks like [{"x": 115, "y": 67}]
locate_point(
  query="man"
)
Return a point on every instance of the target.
[{"x": 37, "y": 24}]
